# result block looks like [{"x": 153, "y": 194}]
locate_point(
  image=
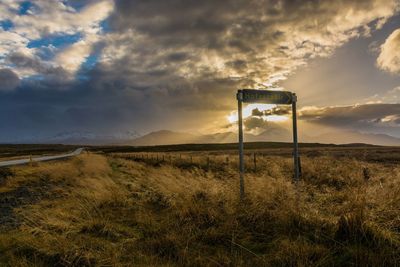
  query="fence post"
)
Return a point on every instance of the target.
[{"x": 255, "y": 161}]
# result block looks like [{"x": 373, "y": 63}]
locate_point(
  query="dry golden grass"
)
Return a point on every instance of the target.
[{"x": 115, "y": 211}]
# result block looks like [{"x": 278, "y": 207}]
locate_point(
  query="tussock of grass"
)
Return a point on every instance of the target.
[{"x": 118, "y": 212}]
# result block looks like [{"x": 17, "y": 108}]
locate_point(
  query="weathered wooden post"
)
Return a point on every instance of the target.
[
  {"x": 239, "y": 97},
  {"x": 295, "y": 141}
]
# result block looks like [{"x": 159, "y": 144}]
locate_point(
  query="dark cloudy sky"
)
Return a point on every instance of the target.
[{"x": 142, "y": 65}]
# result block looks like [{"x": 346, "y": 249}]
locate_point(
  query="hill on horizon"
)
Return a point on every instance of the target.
[{"x": 166, "y": 137}]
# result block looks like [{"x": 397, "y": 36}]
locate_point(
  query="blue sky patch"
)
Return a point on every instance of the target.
[
  {"x": 77, "y": 5},
  {"x": 6, "y": 24},
  {"x": 105, "y": 25},
  {"x": 89, "y": 63},
  {"x": 55, "y": 40},
  {"x": 24, "y": 7},
  {"x": 91, "y": 60}
]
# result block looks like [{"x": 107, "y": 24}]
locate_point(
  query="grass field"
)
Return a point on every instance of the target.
[{"x": 181, "y": 208}]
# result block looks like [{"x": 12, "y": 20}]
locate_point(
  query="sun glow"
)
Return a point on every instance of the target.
[
  {"x": 247, "y": 111},
  {"x": 276, "y": 118}
]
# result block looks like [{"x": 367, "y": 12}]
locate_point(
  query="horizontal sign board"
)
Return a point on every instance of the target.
[{"x": 266, "y": 97}]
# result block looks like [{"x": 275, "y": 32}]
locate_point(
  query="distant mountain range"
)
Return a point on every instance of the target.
[
  {"x": 90, "y": 138},
  {"x": 345, "y": 137},
  {"x": 276, "y": 135},
  {"x": 165, "y": 137},
  {"x": 83, "y": 138}
]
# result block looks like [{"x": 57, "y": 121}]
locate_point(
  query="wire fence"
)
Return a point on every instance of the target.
[{"x": 254, "y": 162}]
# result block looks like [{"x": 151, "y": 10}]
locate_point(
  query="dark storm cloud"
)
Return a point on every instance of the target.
[
  {"x": 257, "y": 113},
  {"x": 280, "y": 110},
  {"x": 252, "y": 123},
  {"x": 29, "y": 62},
  {"x": 23, "y": 61},
  {"x": 361, "y": 117},
  {"x": 8, "y": 80},
  {"x": 177, "y": 56},
  {"x": 43, "y": 110}
]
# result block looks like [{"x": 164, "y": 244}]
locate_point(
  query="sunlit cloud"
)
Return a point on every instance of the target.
[
  {"x": 43, "y": 27},
  {"x": 389, "y": 57},
  {"x": 73, "y": 56},
  {"x": 247, "y": 111},
  {"x": 276, "y": 118}
]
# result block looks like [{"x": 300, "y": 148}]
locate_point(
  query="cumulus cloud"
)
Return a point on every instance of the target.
[
  {"x": 47, "y": 19},
  {"x": 257, "y": 113},
  {"x": 389, "y": 57},
  {"x": 175, "y": 43},
  {"x": 259, "y": 41},
  {"x": 29, "y": 64},
  {"x": 54, "y": 17},
  {"x": 11, "y": 41},
  {"x": 253, "y": 123},
  {"x": 200, "y": 52},
  {"x": 279, "y": 110},
  {"x": 72, "y": 57},
  {"x": 257, "y": 125},
  {"x": 9, "y": 80}
]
